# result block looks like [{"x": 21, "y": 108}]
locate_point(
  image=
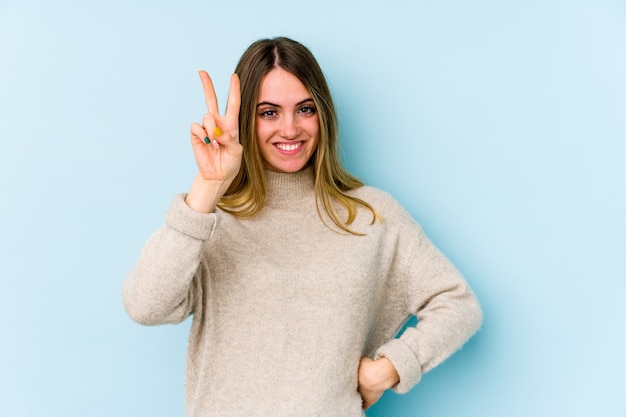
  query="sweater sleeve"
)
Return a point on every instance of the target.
[
  {"x": 163, "y": 287},
  {"x": 433, "y": 290}
]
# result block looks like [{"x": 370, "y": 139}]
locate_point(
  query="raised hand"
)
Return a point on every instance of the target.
[
  {"x": 220, "y": 159},
  {"x": 216, "y": 147}
]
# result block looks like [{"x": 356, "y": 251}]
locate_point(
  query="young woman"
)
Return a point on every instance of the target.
[{"x": 297, "y": 275}]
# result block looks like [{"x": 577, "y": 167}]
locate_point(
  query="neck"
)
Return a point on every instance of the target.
[{"x": 289, "y": 188}]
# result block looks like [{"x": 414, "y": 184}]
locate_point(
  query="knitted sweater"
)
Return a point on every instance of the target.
[{"x": 284, "y": 307}]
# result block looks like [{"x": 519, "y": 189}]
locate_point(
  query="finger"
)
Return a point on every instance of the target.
[
  {"x": 209, "y": 125},
  {"x": 213, "y": 132},
  {"x": 199, "y": 134},
  {"x": 209, "y": 92},
  {"x": 234, "y": 98}
]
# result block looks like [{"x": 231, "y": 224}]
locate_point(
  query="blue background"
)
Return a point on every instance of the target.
[{"x": 500, "y": 125}]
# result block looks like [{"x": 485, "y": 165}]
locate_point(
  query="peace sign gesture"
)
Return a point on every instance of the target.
[
  {"x": 216, "y": 147},
  {"x": 216, "y": 142}
]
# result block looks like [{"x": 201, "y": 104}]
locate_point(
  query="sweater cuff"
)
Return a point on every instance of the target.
[
  {"x": 404, "y": 360},
  {"x": 185, "y": 220}
]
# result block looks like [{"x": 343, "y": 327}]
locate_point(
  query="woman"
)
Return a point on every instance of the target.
[{"x": 298, "y": 277}]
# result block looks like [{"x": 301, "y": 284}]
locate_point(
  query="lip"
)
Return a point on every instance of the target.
[{"x": 300, "y": 146}]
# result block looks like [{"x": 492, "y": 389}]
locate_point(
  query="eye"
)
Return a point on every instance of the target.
[
  {"x": 267, "y": 113},
  {"x": 307, "y": 109}
]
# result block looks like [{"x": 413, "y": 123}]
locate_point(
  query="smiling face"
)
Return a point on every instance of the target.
[{"x": 287, "y": 124}]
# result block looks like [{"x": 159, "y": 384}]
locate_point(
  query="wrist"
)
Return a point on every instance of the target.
[
  {"x": 204, "y": 195},
  {"x": 387, "y": 373}
]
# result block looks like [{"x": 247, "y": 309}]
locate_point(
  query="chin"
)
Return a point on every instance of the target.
[
  {"x": 287, "y": 167},
  {"x": 291, "y": 169}
]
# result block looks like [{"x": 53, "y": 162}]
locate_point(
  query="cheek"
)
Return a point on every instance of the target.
[
  {"x": 264, "y": 132},
  {"x": 312, "y": 126}
]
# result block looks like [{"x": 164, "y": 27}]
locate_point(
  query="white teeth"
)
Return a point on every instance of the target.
[{"x": 288, "y": 146}]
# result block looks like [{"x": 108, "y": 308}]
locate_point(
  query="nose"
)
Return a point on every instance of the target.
[{"x": 289, "y": 128}]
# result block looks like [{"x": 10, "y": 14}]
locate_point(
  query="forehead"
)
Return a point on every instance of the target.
[{"x": 281, "y": 87}]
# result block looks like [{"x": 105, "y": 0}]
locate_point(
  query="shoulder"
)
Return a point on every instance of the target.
[
  {"x": 379, "y": 199},
  {"x": 392, "y": 214}
]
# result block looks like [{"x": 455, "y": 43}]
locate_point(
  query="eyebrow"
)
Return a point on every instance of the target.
[{"x": 267, "y": 103}]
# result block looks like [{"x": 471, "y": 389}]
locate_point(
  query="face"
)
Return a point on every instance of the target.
[{"x": 287, "y": 124}]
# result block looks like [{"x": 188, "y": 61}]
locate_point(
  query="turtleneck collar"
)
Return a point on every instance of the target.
[{"x": 283, "y": 187}]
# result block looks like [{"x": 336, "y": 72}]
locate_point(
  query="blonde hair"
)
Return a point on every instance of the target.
[{"x": 246, "y": 195}]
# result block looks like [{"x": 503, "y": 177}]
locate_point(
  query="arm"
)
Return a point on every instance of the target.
[
  {"x": 433, "y": 290},
  {"x": 164, "y": 286},
  {"x": 161, "y": 288},
  {"x": 420, "y": 281}
]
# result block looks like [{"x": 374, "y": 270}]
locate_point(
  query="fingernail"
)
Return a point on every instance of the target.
[
  {"x": 207, "y": 140},
  {"x": 217, "y": 131}
]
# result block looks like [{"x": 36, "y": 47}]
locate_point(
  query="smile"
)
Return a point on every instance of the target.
[{"x": 288, "y": 146}]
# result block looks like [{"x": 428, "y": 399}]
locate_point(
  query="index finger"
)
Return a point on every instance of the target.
[
  {"x": 234, "y": 98},
  {"x": 209, "y": 92}
]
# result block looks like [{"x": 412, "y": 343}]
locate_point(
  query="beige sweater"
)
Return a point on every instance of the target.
[{"x": 283, "y": 307}]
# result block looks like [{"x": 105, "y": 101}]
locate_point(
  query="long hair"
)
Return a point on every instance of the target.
[{"x": 246, "y": 195}]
